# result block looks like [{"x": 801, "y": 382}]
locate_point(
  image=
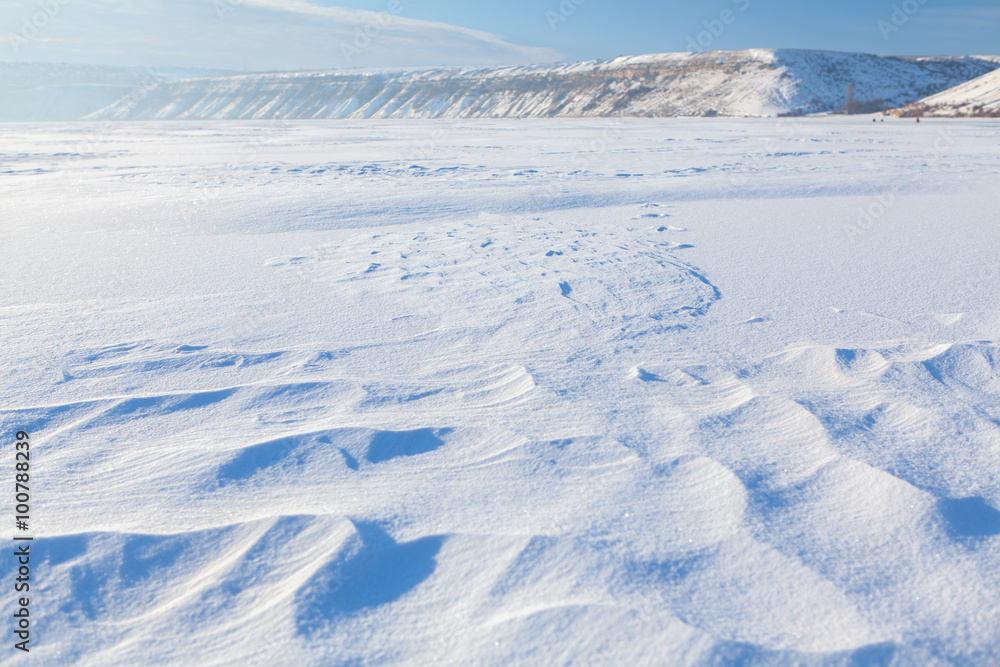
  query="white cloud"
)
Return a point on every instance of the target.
[{"x": 243, "y": 34}]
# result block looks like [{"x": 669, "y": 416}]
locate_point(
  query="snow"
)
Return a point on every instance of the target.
[
  {"x": 506, "y": 392},
  {"x": 754, "y": 82},
  {"x": 979, "y": 97}
]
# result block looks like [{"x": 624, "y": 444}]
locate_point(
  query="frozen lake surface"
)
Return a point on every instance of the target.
[{"x": 506, "y": 392}]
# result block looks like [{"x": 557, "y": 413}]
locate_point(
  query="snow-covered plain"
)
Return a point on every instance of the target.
[{"x": 576, "y": 392}]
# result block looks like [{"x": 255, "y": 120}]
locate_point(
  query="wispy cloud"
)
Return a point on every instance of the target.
[{"x": 251, "y": 34}]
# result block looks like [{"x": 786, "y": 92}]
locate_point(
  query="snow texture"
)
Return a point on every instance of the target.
[{"x": 638, "y": 392}]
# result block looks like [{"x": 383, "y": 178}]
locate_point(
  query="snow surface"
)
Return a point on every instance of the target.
[
  {"x": 506, "y": 392},
  {"x": 754, "y": 82}
]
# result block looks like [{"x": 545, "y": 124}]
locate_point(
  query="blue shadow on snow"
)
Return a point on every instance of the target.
[
  {"x": 387, "y": 445},
  {"x": 970, "y": 517},
  {"x": 381, "y": 572}
]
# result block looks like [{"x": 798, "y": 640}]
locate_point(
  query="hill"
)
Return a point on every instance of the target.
[
  {"x": 979, "y": 97},
  {"x": 755, "y": 82}
]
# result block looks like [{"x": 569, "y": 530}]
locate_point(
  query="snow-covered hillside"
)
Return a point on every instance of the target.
[
  {"x": 758, "y": 82},
  {"x": 589, "y": 392},
  {"x": 979, "y": 97}
]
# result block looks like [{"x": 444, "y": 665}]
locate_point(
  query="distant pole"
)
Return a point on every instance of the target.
[{"x": 850, "y": 98}]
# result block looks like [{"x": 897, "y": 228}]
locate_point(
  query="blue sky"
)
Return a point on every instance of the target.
[
  {"x": 259, "y": 35},
  {"x": 606, "y": 28}
]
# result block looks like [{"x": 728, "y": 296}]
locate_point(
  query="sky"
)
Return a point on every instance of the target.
[
  {"x": 606, "y": 28},
  {"x": 259, "y": 35}
]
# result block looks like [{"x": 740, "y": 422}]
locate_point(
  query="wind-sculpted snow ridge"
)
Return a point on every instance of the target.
[
  {"x": 757, "y": 513},
  {"x": 757, "y": 82},
  {"x": 977, "y": 98}
]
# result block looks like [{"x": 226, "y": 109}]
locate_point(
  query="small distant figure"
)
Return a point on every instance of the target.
[
  {"x": 918, "y": 119},
  {"x": 881, "y": 120},
  {"x": 873, "y": 120}
]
